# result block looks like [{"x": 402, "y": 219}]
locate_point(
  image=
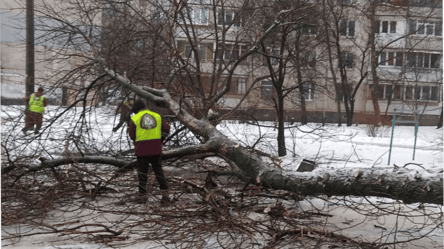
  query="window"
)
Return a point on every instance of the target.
[
  {"x": 237, "y": 85},
  {"x": 409, "y": 92},
  {"x": 385, "y": 27},
  {"x": 274, "y": 59},
  {"x": 422, "y": 28},
  {"x": 423, "y": 60},
  {"x": 392, "y": 27},
  {"x": 272, "y": 55},
  {"x": 231, "y": 53},
  {"x": 198, "y": 15},
  {"x": 347, "y": 28},
  {"x": 229, "y": 17},
  {"x": 387, "y": 91},
  {"x": 242, "y": 86},
  {"x": 424, "y": 93},
  {"x": 348, "y": 2},
  {"x": 309, "y": 29},
  {"x": 390, "y": 59},
  {"x": 341, "y": 95},
  {"x": 266, "y": 89},
  {"x": 393, "y": 92},
  {"x": 312, "y": 59},
  {"x": 425, "y": 3},
  {"x": 308, "y": 90},
  {"x": 346, "y": 61},
  {"x": 205, "y": 51}
]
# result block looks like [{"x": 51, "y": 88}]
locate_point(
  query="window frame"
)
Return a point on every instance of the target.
[
  {"x": 241, "y": 85},
  {"x": 195, "y": 20},
  {"x": 423, "y": 60},
  {"x": 390, "y": 59},
  {"x": 225, "y": 12},
  {"x": 308, "y": 92},
  {"x": 413, "y": 92},
  {"x": 348, "y": 65},
  {"x": 347, "y": 25},
  {"x": 390, "y": 27},
  {"x": 385, "y": 90},
  {"x": 207, "y": 47},
  {"x": 267, "y": 90},
  {"x": 424, "y": 28}
]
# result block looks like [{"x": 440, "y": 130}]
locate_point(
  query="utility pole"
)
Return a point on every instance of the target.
[{"x": 29, "y": 47}]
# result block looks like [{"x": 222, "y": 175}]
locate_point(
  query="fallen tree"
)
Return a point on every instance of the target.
[{"x": 202, "y": 212}]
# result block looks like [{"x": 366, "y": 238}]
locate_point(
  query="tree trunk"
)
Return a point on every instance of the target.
[
  {"x": 303, "y": 107},
  {"x": 374, "y": 63},
  {"x": 409, "y": 186},
  {"x": 351, "y": 113},
  {"x": 282, "y": 150}
]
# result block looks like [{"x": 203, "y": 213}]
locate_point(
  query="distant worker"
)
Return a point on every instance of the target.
[
  {"x": 148, "y": 130},
  {"x": 124, "y": 108},
  {"x": 36, "y": 104}
]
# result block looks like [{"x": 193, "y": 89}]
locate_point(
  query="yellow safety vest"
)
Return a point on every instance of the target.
[
  {"x": 148, "y": 125},
  {"x": 36, "y": 105}
]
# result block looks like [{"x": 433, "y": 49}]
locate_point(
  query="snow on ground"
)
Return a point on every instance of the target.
[
  {"x": 330, "y": 146},
  {"x": 333, "y": 146}
]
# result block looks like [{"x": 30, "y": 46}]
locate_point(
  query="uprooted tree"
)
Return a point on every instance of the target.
[{"x": 162, "y": 57}]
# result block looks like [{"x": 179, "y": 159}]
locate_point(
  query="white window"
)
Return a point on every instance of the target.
[
  {"x": 425, "y": 28},
  {"x": 346, "y": 61},
  {"x": 388, "y": 91},
  {"x": 347, "y": 28},
  {"x": 341, "y": 95},
  {"x": 424, "y": 93},
  {"x": 228, "y": 17},
  {"x": 197, "y": 14},
  {"x": 385, "y": 27},
  {"x": 231, "y": 52},
  {"x": 308, "y": 90},
  {"x": 423, "y": 60},
  {"x": 241, "y": 86},
  {"x": 309, "y": 29},
  {"x": 274, "y": 59},
  {"x": 312, "y": 59},
  {"x": 393, "y": 59},
  {"x": 204, "y": 50},
  {"x": 267, "y": 89}
]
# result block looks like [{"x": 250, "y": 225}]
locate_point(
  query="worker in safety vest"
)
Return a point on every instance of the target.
[
  {"x": 125, "y": 113},
  {"x": 36, "y": 107},
  {"x": 148, "y": 130}
]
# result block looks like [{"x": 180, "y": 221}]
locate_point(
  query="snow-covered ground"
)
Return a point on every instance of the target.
[{"x": 330, "y": 146}]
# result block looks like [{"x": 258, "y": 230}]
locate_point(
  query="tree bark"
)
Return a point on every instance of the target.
[
  {"x": 409, "y": 186},
  {"x": 374, "y": 63}
]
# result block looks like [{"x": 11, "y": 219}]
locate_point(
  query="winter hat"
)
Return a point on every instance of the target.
[{"x": 138, "y": 105}]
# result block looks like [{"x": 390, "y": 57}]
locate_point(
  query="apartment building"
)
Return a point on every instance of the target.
[
  {"x": 48, "y": 63},
  {"x": 322, "y": 75},
  {"x": 408, "y": 63}
]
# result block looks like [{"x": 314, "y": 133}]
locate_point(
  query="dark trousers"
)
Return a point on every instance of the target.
[
  {"x": 142, "y": 170},
  {"x": 33, "y": 118}
]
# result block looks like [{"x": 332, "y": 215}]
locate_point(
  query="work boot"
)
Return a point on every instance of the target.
[
  {"x": 165, "y": 198},
  {"x": 36, "y": 131}
]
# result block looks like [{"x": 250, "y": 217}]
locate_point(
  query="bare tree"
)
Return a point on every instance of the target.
[{"x": 183, "y": 76}]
